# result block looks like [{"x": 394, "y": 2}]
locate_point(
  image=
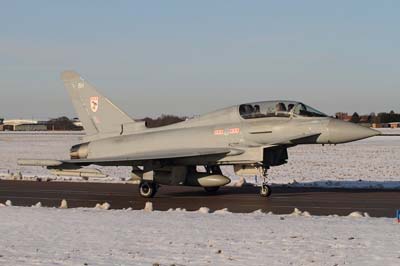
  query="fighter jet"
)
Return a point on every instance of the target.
[{"x": 251, "y": 137}]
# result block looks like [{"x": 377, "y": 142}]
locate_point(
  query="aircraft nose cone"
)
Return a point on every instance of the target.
[{"x": 341, "y": 132}]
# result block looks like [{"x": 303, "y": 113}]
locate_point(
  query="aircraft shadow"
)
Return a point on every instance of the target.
[
  {"x": 349, "y": 185},
  {"x": 306, "y": 187}
]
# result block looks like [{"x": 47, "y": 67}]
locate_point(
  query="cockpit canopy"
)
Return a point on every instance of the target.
[{"x": 277, "y": 109}]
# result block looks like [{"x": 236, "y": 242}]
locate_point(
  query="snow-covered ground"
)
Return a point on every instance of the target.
[
  {"x": 372, "y": 162},
  {"x": 44, "y": 236}
]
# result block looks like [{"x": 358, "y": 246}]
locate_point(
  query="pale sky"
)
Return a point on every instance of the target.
[{"x": 191, "y": 57}]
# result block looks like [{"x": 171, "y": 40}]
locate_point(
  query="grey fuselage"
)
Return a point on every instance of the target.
[{"x": 226, "y": 128}]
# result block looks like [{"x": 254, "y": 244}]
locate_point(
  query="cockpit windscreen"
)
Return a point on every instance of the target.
[{"x": 277, "y": 109}]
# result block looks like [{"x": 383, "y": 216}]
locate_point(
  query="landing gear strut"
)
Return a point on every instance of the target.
[
  {"x": 147, "y": 189},
  {"x": 265, "y": 190}
]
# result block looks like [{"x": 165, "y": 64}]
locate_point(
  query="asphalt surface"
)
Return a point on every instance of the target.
[{"x": 378, "y": 203}]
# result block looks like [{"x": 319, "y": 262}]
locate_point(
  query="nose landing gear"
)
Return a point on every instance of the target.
[{"x": 265, "y": 190}]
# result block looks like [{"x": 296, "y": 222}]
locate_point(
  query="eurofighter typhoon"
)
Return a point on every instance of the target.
[{"x": 252, "y": 137}]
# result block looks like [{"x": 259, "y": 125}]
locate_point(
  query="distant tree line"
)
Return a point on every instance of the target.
[
  {"x": 388, "y": 117},
  {"x": 376, "y": 118},
  {"x": 66, "y": 124},
  {"x": 62, "y": 124},
  {"x": 163, "y": 120}
]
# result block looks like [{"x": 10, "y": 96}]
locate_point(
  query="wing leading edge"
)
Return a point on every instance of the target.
[{"x": 136, "y": 157}]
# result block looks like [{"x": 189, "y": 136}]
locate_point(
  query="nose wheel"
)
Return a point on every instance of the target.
[
  {"x": 265, "y": 190},
  {"x": 147, "y": 189}
]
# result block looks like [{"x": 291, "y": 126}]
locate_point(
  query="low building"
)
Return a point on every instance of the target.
[
  {"x": 19, "y": 121},
  {"x": 380, "y": 125},
  {"x": 394, "y": 125},
  {"x": 30, "y": 127},
  {"x": 77, "y": 122},
  {"x": 10, "y": 125}
]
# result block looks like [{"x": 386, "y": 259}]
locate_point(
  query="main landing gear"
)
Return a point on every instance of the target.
[
  {"x": 147, "y": 189},
  {"x": 265, "y": 190}
]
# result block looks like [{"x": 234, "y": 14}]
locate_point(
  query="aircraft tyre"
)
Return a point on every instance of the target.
[
  {"x": 265, "y": 191},
  {"x": 147, "y": 189},
  {"x": 211, "y": 189}
]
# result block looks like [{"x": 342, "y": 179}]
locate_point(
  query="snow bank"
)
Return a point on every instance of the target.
[
  {"x": 297, "y": 212},
  {"x": 148, "y": 207},
  {"x": 37, "y": 205},
  {"x": 50, "y": 236},
  {"x": 104, "y": 206},
  {"x": 64, "y": 204},
  {"x": 204, "y": 210},
  {"x": 223, "y": 211}
]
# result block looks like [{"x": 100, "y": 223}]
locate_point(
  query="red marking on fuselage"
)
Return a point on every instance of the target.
[
  {"x": 230, "y": 131},
  {"x": 219, "y": 132},
  {"x": 234, "y": 131}
]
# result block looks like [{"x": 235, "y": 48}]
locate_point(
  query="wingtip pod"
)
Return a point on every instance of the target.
[{"x": 69, "y": 75}]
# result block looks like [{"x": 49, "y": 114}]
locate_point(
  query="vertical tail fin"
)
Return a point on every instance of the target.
[{"x": 97, "y": 114}]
